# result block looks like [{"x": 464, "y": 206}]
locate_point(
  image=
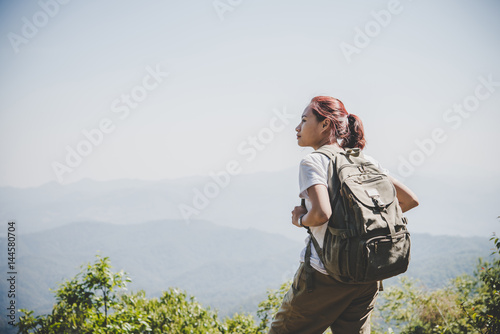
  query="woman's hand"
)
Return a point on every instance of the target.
[
  {"x": 296, "y": 213},
  {"x": 320, "y": 207},
  {"x": 407, "y": 198}
]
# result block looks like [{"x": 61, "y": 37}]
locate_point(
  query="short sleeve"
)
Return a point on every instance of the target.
[{"x": 313, "y": 170}]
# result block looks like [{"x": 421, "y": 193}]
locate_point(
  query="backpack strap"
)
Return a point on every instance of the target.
[
  {"x": 309, "y": 269},
  {"x": 307, "y": 258},
  {"x": 330, "y": 151}
]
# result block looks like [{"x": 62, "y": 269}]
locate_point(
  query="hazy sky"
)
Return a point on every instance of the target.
[{"x": 180, "y": 88}]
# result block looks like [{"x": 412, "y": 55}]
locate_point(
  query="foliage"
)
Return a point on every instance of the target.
[
  {"x": 269, "y": 307},
  {"x": 83, "y": 303},
  {"x": 468, "y": 305},
  {"x": 413, "y": 309},
  {"x": 481, "y": 300},
  {"x": 176, "y": 312},
  {"x": 95, "y": 301},
  {"x": 241, "y": 324}
]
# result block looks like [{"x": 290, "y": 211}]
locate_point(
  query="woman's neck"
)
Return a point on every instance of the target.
[{"x": 326, "y": 141}]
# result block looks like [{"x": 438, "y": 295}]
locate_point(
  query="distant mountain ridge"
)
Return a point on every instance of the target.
[
  {"x": 229, "y": 269},
  {"x": 262, "y": 201},
  {"x": 212, "y": 262},
  {"x": 230, "y": 265},
  {"x": 259, "y": 200}
]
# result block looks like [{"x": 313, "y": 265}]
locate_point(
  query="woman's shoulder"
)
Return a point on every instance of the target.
[
  {"x": 315, "y": 159},
  {"x": 313, "y": 170},
  {"x": 320, "y": 161}
]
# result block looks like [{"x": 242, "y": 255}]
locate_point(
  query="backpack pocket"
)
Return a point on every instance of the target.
[
  {"x": 382, "y": 257},
  {"x": 367, "y": 197},
  {"x": 335, "y": 257}
]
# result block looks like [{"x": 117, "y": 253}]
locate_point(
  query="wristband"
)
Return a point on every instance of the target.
[{"x": 300, "y": 220}]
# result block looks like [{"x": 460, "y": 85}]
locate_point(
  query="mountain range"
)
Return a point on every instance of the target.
[
  {"x": 237, "y": 243},
  {"x": 225, "y": 268},
  {"x": 263, "y": 201}
]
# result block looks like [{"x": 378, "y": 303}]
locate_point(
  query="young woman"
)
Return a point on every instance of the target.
[{"x": 345, "y": 308}]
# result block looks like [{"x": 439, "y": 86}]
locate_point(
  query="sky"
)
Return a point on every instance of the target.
[{"x": 155, "y": 90}]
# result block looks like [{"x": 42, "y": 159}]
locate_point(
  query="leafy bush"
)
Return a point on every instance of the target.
[
  {"x": 95, "y": 301},
  {"x": 481, "y": 296},
  {"x": 412, "y": 309},
  {"x": 84, "y": 304},
  {"x": 470, "y": 304}
]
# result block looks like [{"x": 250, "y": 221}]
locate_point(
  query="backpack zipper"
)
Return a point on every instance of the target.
[{"x": 378, "y": 178}]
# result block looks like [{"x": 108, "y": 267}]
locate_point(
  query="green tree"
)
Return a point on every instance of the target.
[
  {"x": 241, "y": 324},
  {"x": 269, "y": 307},
  {"x": 470, "y": 304},
  {"x": 411, "y": 309},
  {"x": 176, "y": 312},
  {"x": 94, "y": 301},
  {"x": 82, "y": 304},
  {"x": 481, "y": 296}
]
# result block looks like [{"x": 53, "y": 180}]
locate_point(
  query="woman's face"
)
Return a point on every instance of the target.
[{"x": 311, "y": 132}]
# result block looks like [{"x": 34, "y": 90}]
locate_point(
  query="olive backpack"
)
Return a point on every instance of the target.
[{"x": 367, "y": 237}]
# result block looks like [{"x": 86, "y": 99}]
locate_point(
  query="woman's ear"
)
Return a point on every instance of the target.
[{"x": 326, "y": 123}]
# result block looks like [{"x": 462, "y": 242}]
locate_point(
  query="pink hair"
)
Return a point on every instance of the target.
[{"x": 344, "y": 126}]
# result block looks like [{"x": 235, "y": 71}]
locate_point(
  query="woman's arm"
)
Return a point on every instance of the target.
[
  {"x": 407, "y": 198},
  {"x": 320, "y": 204},
  {"x": 320, "y": 207}
]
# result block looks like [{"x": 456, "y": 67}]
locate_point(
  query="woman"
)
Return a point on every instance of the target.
[{"x": 345, "y": 308}]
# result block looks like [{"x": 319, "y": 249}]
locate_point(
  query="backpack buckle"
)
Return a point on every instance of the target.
[
  {"x": 375, "y": 196},
  {"x": 378, "y": 202},
  {"x": 353, "y": 151}
]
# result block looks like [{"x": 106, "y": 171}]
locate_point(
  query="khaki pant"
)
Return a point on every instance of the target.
[{"x": 345, "y": 308}]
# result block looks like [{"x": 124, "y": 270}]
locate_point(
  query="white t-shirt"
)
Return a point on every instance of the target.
[{"x": 314, "y": 170}]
